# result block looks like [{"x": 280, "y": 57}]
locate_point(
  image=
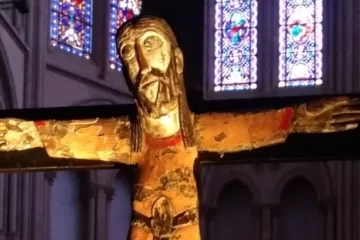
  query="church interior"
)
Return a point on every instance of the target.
[{"x": 243, "y": 55}]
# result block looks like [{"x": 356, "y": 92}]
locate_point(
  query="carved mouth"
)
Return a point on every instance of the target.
[
  {"x": 147, "y": 81},
  {"x": 150, "y": 90}
]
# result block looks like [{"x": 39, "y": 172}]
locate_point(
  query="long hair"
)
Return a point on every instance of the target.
[{"x": 186, "y": 122}]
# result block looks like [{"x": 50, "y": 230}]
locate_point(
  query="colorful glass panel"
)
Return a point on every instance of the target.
[
  {"x": 71, "y": 26},
  {"x": 121, "y": 11},
  {"x": 301, "y": 42},
  {"x": 235, "y": 45}
]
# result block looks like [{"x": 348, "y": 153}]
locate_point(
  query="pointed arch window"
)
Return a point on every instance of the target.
[
  {"x": 235, "y": 45},
  {"x": 71, "y": 26},
  {"x": 234, "y": 218},
  {"x": 120, "y": 12},
  {"x": 258, "y": 48},
  {"x": 299, "y": 217},
  {"x": 301, "y": 41}
]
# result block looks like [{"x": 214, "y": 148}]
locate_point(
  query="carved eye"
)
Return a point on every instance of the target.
[
  {"x": 127, "y": 52},
  {"x": 152, "y": 42}
]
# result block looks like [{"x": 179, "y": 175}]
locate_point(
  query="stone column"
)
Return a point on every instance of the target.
[{"x": 100, "y": 197}]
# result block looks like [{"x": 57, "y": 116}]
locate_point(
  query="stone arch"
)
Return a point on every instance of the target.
[
  {"x": 310, "y": 174},
  {"x": 298, "y": 215},
  {"x": 7, "y": 87},
  {"x": 228, "y": 198},
  {"x": 214, "y": 184}
]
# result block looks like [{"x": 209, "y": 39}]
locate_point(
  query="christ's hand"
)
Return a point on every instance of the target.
[{"x": 331, "y": 115}]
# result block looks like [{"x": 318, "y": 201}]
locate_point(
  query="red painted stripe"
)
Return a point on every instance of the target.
[
  {"x": 163, "y": 142},
  {"x": 40, "y": 124},
  {"x": 286, "y": 119}
]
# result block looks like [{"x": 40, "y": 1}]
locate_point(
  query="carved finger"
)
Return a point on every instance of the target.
[
  {"x": 345, "y": 118},
  {"x": 341, "y": 127},
  {"x": 355, "y": 101},
  {"x": 347, "y": 109}
]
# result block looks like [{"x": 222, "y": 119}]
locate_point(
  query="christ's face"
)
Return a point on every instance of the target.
[{"x": 149, "y": 58}]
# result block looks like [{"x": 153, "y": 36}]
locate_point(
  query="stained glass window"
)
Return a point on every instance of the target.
[
  {"x": 121, "y": 11},
  {"x": 235, "y": 45},
  {"x": 301, "y": 39},
  {"x": 71, "y": 26}
]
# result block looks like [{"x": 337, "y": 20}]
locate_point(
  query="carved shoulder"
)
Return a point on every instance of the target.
[
  {"x": 92, "y": 139},
  {"x": 98, "y": 139}
]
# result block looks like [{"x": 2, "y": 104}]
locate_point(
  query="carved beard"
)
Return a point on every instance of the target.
[{"x": 158, "y": 93}]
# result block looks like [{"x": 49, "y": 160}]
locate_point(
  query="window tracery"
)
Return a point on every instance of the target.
[
  {"x": 235, "y": 45},
  {"x": 300, "y": 39},
  {"x": 120, "y": 12},
  {"x": 71, "y": 26}
]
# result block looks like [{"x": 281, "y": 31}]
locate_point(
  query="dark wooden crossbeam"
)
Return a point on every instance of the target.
[
  {"x": 344, "y": 146},
  {"x": 37, "y": 160}
]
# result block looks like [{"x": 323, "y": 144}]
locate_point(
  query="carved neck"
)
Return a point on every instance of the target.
[{"x": 163, "y": 127}]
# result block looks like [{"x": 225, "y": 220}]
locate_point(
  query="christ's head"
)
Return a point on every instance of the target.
[
  {"x": 153, "y": 63},
  {"x": 153, "y": 66}
]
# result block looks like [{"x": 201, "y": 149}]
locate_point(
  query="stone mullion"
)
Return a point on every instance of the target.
[
  {"x": 38, "y": 210},
  {"x": 13, "y": 204},
  {"x": 345, "y": 202},
  {"x": 357, "y": 200},
  {"x": 258, "y": 212},
  {"x": 327, "y": 210},
  {"x": 325, "y": 207},
  {"x": 103, "y": 195},
  {"x": 3, "y": 205},
  {"x": 93, "y": 192},
  {"x": 5, "y": 210},
  {"x": 109, "y": 193},
  {"x": 275, "y": 222},
  {"x": 101, "y": 214},
  {"x": 267, "y": 221},
  {"x": 26, "y": 189},
  {"x": 50, "y": 178}
]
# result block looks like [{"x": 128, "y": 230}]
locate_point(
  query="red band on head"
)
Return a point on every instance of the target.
[
  {"x": 286, "y": 119},
  {"x": 163, "y": 142}
]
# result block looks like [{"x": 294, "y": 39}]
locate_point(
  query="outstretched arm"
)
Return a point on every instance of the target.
[
  {"x": 232, "y": 132},
  {"x": 107, "y": 140}
]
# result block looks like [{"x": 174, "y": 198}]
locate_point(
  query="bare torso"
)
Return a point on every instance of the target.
[{"x": 166, "y": 195}]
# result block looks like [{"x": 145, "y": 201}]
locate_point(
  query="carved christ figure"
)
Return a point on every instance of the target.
[{"x": 165, "y": 137}]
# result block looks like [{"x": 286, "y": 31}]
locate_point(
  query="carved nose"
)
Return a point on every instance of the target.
[{"x": 143, "y": 63}]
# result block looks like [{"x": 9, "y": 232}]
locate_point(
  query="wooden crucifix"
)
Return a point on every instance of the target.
[{"x": 164, "y": 138}]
